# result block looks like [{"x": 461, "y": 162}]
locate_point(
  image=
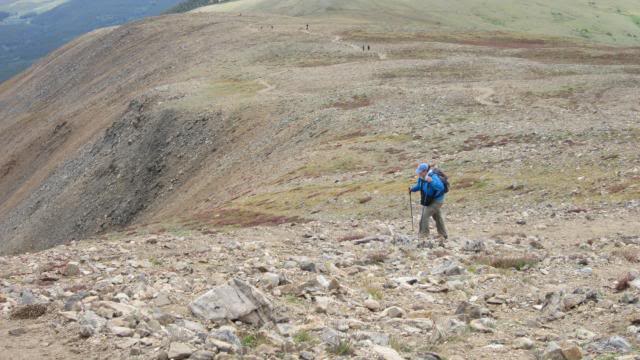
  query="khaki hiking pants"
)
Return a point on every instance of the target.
[{"x": 433, "y": 211}]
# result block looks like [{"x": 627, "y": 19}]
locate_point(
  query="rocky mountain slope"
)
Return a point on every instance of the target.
[
  {"x": 218, "y": 185},
  {"x": 142, "y": 122}
]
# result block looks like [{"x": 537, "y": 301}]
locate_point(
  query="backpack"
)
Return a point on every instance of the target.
[{"x": 444, "y": 178}]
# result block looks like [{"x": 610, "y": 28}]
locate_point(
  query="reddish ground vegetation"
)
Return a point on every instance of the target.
[{"x": 245, "y": 218}]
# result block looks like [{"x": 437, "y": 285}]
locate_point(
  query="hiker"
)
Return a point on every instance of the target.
[
  {"x": 368, "y": 48},
  {"x": 307, "y": 27},
  {"x": 432, "y": 191}
]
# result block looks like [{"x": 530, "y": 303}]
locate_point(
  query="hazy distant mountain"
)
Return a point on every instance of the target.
[{"x": 31, "y": 29}]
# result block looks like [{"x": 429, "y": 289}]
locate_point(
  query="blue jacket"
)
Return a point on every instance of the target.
[{"x": 434, "y": 190}]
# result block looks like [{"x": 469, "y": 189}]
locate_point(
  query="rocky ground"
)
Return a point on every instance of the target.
[{"x": 559, "y": 284}]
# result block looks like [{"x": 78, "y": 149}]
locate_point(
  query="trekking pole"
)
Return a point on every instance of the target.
[{"x": 411, "y": 210}]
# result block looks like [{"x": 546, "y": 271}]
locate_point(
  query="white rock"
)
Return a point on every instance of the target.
[
  {"x": 121, "y": 331},
  {"x": 372, "y": 304},
  {"x": 234, "y": 301},
  {"x": 386, "y": 353}
]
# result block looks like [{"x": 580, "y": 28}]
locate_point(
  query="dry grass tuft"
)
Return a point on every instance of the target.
[
  {"x": 507, "y": 262},
  {"x": 631, "y": 255},
  {"x": 31, "y": 311},
  {"x": 377, "y": 257},
  {"x": 623, "y": 283}
]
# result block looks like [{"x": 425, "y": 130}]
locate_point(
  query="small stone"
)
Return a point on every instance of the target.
[
  {"x": 394, "y": 312},
  {"x": 553, "y": 352},
  {"x": 372, "y": 304},
  {"x": 307, "y": 265},
  {"x": 121, "y": 331},
  {"x": 220, "y": 345},
  {"x": 523, "y": 343},
  {"x": 71, "y": 269},
  {"x": 627, "y": 298},
  {"x": 448, "y": 268},
  {"x": 162, "y": 299},
  {"x": 468, "y": 311},
  {"x": 386, "y": 353},
  {"x": 331, "y": 337},
  {"x": 377, "y": 338},
  {"x": 406, "y": 280},
  {"x": 584, "y": 334},
  {"x": 127, "y": 343},
  {"x": 203, "y": 355},
  {"x": 322, "y": 304},
  {"x": 495, "y": 300},
  {"x": 474, "y": 245},
  {"x": 228, "y": 335},
  {"x": 307, "y": 355},
  {"x": 270, "y": 280},
  {"x": 178, "y": 350},
  {"x": 479, "y": 326},
  {"x": 90, "y": 323},
  {"x": 179, "y": 333}
]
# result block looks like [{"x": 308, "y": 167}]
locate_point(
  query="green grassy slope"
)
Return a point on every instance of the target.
[{"x": 605, "y": 21}]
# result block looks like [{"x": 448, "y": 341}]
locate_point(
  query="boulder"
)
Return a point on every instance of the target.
[{"x": 234, "y": 301}]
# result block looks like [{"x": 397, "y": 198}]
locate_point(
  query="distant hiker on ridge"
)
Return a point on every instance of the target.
[
  {"x": 307, "y": 26},
  {"x": 433, "y": 185}
]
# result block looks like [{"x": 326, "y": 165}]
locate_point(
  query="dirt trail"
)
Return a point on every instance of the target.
[{"x": 267, "y": 87}]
